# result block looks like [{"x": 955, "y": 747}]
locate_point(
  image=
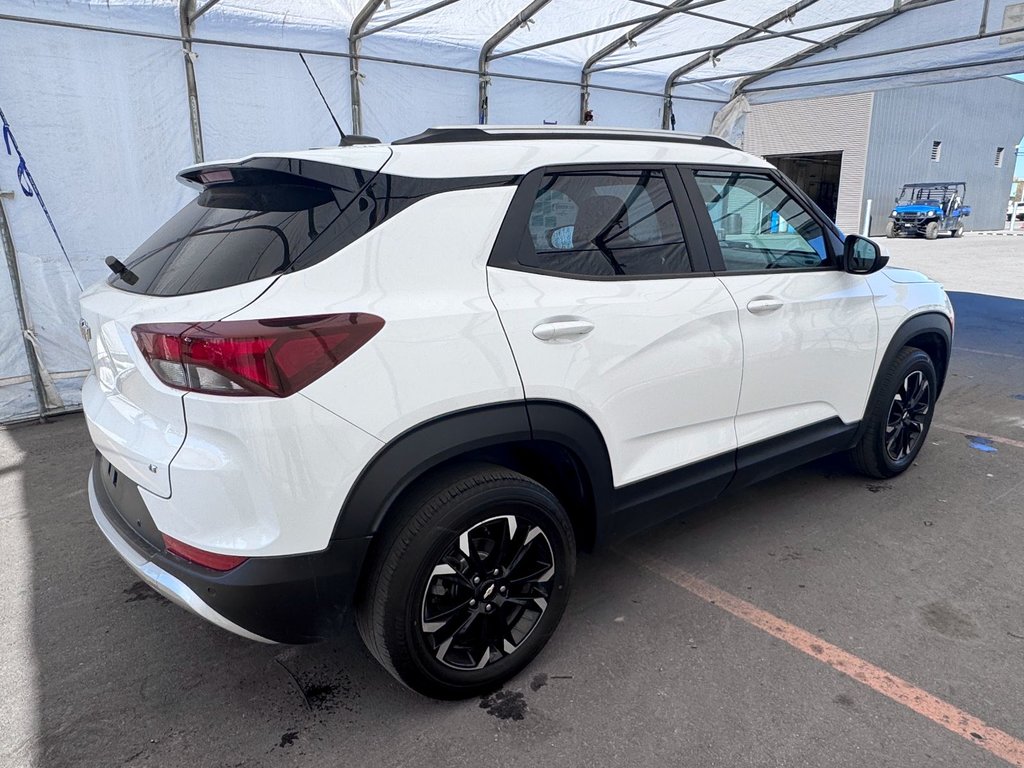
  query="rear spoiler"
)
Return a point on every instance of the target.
[{"x": 333, "y": 174}]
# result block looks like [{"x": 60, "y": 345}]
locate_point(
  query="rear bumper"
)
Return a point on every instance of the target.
[{"x": 294, "y": 599}]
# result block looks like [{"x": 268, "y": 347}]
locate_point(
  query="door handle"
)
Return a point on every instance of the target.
[
  {"x": 562, "y": 329},
  {"x": 763, "y": 306}
]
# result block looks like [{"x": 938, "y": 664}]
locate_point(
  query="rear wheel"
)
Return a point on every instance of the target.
[
  {"x": 469, "y": 582},
  {"x": 931, "y": 230},
  {"x": 958, "y": 232},
  {"x": 898, "y": 416},
  {"x": 890, "y": 229}
]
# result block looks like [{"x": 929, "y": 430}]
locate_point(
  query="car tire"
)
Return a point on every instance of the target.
[
  {"x": 468, "y": 581},
  {"x": 958, "y": 232},
  {"x": 890, "y": 230},
  {"x": 931, "y": 230},
  {"x": 893, "y": 431}
]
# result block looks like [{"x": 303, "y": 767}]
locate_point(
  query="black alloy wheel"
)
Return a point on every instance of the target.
[
  {"x": 487, "y": 592},
  {"x": 908, "y": 414},
  {"x": 467, "y": 580},
  {"x": 898, "y": 415}
]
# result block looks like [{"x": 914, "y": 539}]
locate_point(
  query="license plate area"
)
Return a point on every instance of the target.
[{"x": 127, "y": 503}]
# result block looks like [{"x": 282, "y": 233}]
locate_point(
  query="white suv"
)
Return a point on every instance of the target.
[{"x": 413, "y": 378}]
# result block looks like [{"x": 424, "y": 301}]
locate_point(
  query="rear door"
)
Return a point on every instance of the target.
[
  {"x": 604, "y": 291},
  {"x": 251, "y": 222},
  {"x": 809, "y": 328}
]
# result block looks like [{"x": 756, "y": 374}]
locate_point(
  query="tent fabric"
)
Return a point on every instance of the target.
[{"x": 102, "y": 120}]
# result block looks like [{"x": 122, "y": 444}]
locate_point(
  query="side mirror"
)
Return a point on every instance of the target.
[{"x": 862, "y": 256}]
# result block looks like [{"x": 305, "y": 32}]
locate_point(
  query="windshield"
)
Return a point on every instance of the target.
[{"x": 934, "y": 196}]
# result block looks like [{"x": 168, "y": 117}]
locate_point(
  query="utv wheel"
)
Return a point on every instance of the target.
[
  {"x": 890, "y": 229},
  {"x": 468, "y": 582},
  {"x": 958, "y": 232},
  {"x": 931, "y": 230},
  {"x": 898, "y": 416}
]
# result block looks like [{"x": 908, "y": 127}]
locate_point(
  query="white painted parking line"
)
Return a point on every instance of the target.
[{"x": 986, "y": 352}]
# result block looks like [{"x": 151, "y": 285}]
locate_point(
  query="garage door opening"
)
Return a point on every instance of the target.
[{"x": 817, "y": 175}]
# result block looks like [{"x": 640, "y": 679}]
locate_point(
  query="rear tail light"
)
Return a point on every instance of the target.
[
  {"x": 252, "y": 357},
  {"x": 211, "y": 560}
]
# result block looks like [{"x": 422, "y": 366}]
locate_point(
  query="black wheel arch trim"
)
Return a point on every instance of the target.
[
  {"x": 926, "y": 322},
  {"x": 918, "y": 325},
  {"x": 442, "y": 439}
]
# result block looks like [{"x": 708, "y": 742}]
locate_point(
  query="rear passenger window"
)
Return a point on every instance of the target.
[{"x": 605, "y": 223}]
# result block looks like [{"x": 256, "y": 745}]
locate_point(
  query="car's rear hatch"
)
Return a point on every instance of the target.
[{"x": 254, "y": 220}]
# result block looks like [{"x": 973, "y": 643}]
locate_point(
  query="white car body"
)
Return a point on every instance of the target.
[{"x": 672, "y": 371}]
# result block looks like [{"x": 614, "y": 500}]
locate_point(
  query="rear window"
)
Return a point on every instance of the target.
[{"x": 261, "y": 223}]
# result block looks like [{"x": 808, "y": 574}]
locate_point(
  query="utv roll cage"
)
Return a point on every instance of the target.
[{"x": 940, "y": 191}]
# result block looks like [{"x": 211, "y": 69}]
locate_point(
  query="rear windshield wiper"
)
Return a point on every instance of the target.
[{"x": 119, "y": 269}]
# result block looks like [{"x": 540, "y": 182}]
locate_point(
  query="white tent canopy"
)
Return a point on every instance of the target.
[{"x": 98, "y": 98}]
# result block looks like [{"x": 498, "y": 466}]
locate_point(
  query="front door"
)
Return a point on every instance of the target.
[{"x": 809, "y": 328}]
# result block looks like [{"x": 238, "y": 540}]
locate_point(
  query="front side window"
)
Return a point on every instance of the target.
[
  {"x": 605, "y": 223},
  {"x": 759, "y": 225}
]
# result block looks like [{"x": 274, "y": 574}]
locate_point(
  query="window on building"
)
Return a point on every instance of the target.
[
  {"x": 999, "y": 157},
  {"x": 936, "y": 151}
]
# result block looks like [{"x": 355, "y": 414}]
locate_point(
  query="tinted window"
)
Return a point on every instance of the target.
[
  {"x": 759, "y": 225},
  {"x": 266, "y": 222},
  {"x": 261, "y": 224},
  {"x": 614, "y": 222}
]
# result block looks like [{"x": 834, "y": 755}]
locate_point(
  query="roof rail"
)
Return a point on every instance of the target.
[{"x": 457, "y": 133}]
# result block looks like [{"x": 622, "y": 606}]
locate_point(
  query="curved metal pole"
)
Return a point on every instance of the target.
[
  {"x": 615, "y": 45},
  {"x": 414, "y": 15},
  {"x": 187, "y": 17},
  {"x": 517, "y": 21},
  {"x": 600, "y": 30},
  {"x": 754, "y": 33},
  {"x": 358, "y": 26},
  {"x": 897, "y": 8}
]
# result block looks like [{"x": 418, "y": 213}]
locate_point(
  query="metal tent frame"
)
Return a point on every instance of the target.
[
  {"x": 608, "y": 58},
  {"x": 761, "y": 30},
  {"x": 190, "y": 11}
]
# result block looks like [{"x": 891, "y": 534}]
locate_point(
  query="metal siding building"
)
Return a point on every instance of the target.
[
  {"x": 971, "y": 119},
  {"x": 886, "y": 141},
  {"x": 813, "y": 126}
]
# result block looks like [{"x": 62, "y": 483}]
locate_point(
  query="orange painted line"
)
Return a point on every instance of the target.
[
  {"x": 993, "y": 438},
  {"x": 951, "y": 718}
]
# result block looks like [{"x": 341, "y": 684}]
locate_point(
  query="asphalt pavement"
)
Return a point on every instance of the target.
[{"x": 817, "y": 619}]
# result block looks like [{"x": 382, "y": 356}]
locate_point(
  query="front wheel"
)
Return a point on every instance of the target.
[
  {"x": 898, "y": 416},
  {"x": 469, "y": 581},
  {"x": 931, "y": 230},
  {"x": 890, "y": 229}
]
